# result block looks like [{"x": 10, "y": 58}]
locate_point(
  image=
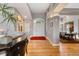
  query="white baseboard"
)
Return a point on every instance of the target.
[{"x": 53, "y": 44}]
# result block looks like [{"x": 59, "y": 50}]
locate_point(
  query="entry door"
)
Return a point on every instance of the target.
[{"x": 38, "y": 28}]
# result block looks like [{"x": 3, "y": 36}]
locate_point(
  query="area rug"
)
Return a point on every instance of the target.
[{"x": 38, "y": 38}]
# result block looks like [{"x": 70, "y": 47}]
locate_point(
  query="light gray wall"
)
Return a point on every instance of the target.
[
  {"x": 52, "y": 29},
  {"x": 56, "y": 30},
  {"x": 49, "y": 29},
  {"x": 7, "y": 27},
  {"x": 76, "y": 26},
  {"x": 29, "y": 27}
]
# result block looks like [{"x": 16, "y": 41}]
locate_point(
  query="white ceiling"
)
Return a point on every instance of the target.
[
  {"x": 72, "y": 5},
  {"x": 38, "y": 8},
  {"x": 71, "y": 9}
]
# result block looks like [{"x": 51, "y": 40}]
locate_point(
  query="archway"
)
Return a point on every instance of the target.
[{"x": 39, "y": 27}]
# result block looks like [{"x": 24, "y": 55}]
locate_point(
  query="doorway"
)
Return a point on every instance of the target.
[{"x": 39, "y": 27}]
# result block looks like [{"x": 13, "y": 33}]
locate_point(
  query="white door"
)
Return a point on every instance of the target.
[{"x": 39, "y": 27}]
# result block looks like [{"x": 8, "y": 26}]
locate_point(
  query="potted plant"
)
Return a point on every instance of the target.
[{"x": 8, "y": 15}]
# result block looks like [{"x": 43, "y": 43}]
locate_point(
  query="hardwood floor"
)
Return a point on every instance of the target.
[
  {"x": 69, "y": 49},
  {"x": 42, "y": 48}
]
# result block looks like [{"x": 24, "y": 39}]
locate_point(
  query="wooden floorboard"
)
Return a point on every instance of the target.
[
  {"x": 42, "y": 48},
  {"x": 69, "y": 49}
]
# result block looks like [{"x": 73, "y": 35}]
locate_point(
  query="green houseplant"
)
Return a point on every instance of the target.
[{"x": 8, "y": 15}]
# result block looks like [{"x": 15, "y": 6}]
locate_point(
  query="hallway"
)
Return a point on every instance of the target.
[
  {"x": 42, "y": 48},
  {"x": 59, "y": 22}
]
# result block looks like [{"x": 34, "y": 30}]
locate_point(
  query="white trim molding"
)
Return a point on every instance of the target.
[{"x": 55, "y": 44}]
